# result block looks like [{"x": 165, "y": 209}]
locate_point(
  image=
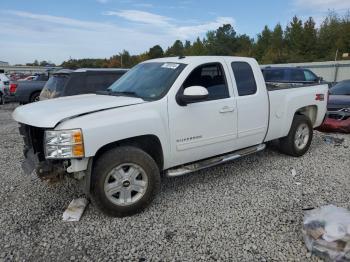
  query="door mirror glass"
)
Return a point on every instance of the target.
[{"x": 193, "y": 94}]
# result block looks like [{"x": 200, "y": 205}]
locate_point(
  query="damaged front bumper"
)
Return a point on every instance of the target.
[{"x": 47, "y": 169}]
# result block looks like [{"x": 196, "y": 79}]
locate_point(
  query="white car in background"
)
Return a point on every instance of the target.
[{"x": 4, "y": 85}]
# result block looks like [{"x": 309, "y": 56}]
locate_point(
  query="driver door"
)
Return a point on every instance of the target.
[{"x": 205, "y": 128}]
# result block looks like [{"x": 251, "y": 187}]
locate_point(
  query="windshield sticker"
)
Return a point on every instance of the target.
[{"x": 170, "y": 65}]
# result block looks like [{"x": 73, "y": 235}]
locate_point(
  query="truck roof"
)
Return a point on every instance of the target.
[
  {"x": 195, "y": 59},
  {"x": 83, "y": 70}
]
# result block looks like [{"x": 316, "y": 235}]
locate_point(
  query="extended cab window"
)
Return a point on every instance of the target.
[
  {"x": 210, "y": 76},
  {"x": 245, "y": 80}
]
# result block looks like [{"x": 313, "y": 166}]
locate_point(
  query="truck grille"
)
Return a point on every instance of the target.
[{"x": 33, "y": 138}]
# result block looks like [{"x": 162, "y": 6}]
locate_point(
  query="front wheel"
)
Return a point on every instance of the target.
[
  {"x": 124, "y": 181},
  {"x": 299, "y": 137}
]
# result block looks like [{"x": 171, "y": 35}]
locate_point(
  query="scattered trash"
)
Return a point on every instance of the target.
[
  {"x": 294, "y": 173},
  {"x": 333, "y": 140},
  {"x": 75, "y": 209},
  {"x": 298, "y": 183},
  {"x": 327, "y": 232}
]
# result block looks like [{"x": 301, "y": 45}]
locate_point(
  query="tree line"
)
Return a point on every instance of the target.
[{"x": 299, "y": 41}]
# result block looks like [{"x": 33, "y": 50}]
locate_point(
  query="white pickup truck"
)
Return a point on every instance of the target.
[{"x": 168, "y": 116}]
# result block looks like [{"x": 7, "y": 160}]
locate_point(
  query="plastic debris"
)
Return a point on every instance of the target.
[
  {"x": 294, "y": 173},
  {"x": 333, "y": 140},
  {"x": 326, "y": 232},
  {"x": 75, "y": 209}
]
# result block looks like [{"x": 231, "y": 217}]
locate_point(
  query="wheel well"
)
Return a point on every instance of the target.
[
  {"x": 148, "y": 143},
  {"x": 33, "y": 93},
  {"x": 308, "y": 111}
]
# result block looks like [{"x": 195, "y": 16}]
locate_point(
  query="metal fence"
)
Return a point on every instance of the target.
[{"x": 331, "y": 71}]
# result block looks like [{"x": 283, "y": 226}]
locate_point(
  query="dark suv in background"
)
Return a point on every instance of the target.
[
  {"x": 67, "y": 82},
  {"x": 290, "y": 75}
]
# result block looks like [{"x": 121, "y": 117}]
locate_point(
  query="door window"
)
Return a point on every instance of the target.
[
  {"x": 245, "y": 80},
  {"x": 309, "y": 76},
  {"x": 272, "y": 75},
  {"x": 212, "y": 77},
  {"x": 297, "y": 75}
]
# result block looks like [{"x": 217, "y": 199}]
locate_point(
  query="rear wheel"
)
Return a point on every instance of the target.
[
  {"x": 124, "y": 181},
  {"x": 299, "y": 137},
  {"x": 34, "y": 97}
]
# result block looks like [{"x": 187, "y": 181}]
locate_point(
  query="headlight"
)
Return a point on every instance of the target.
[{"x": 64, "y": 144}]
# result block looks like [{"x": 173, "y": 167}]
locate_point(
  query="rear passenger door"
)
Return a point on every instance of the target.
[{"x": 252, "y": 102}]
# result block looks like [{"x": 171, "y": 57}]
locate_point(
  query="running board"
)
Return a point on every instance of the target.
[{"x": 185, "y": 169}]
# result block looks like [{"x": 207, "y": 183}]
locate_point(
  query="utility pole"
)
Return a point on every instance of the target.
[{"x": 335, "y": 66}]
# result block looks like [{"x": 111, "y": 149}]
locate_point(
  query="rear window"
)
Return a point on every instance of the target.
[
  {"x": 100, "y": 82},
  {"x": 90, "y": 83},
  {"x": 245, "y": 80},
  {"x": 54, "y": 86}
]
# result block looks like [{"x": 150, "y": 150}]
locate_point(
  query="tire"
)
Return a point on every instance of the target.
[
  {"x": 299, "y": 138},
  {"x": 112, "y": 171},
  {"x": 34, "y": 97},
  {"x": 2, "y": 99}
]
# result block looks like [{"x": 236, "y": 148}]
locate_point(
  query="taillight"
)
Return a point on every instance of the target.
[{"x": 13, "y": 88}]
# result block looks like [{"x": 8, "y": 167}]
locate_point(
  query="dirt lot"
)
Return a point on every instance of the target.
[{"x": 248, "y": 210}]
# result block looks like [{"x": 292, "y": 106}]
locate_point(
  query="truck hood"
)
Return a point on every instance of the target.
[{"x": 50, "y": 112}]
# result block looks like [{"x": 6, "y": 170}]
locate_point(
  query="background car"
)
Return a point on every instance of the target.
[
  {"x": 28, "y": 78},
  {"x": 81, "y": 81},
  {"x": 339, "y": 96},
  {"x": 27, "y": 91},
  {"x": 4, "y": 87},
  {"x": 294, "y": 75}
]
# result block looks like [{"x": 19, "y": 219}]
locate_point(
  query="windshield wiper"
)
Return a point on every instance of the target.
[
  {"x": 123, "y": 93},
  {"x": 116, "y": 93}
]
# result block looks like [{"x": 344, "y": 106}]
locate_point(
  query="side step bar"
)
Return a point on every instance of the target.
[{"x": 202, "y": 164}]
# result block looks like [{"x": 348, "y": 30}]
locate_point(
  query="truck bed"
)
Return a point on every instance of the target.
[{"x": 286, "y": 100}]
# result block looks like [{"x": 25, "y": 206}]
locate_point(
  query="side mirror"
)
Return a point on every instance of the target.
[
  {"x": 192, "y": 94},
  {"x": 320, "y": 79}
]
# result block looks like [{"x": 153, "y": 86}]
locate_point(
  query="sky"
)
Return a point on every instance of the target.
[{"x": 58, "y": 30}]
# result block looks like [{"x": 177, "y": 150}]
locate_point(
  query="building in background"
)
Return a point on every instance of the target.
[{"x": 2, "y": 63}]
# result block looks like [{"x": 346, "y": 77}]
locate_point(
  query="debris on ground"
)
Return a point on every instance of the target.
[
  {"x": 75, "y": 209},
  {"x": 333, "y": 140},
  {"x": 294, "y": 173},
  {"x": 327, "y": 232}
]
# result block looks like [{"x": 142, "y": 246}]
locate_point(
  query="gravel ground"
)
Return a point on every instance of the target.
[{"x": 247, "y": 210}]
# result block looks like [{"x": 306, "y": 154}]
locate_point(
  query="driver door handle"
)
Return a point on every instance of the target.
[{"x": 227, "y": 109}]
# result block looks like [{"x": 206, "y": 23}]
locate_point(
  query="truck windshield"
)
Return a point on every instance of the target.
[{"x": 149, "y": 81}]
